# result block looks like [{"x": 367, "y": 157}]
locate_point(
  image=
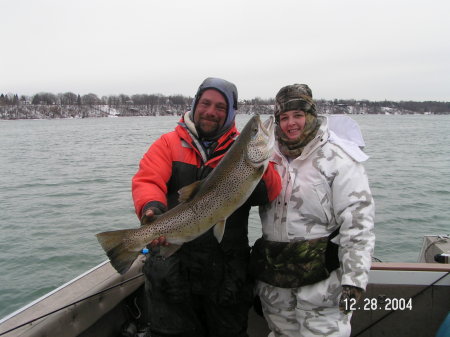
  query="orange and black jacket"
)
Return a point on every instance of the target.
[{"x": 174, "y": 161}]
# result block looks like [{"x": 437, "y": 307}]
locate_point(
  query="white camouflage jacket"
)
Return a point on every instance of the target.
[{"x": 322, "y": 189}]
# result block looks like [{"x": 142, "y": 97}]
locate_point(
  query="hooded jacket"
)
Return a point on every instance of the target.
[
  {"x": 323, "y": 189},
  {"x": 175, "y": 160}
]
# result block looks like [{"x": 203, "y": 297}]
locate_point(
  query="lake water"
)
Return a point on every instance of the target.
[{"x": 63, "y": 181}]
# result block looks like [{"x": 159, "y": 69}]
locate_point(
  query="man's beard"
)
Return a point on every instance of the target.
[{"x": 209, "y": 133}]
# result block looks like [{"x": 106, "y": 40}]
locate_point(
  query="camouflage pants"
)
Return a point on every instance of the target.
[{"x": 307, "y": 311}]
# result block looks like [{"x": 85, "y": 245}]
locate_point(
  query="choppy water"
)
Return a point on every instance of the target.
[{"x": 63, "y": 181}]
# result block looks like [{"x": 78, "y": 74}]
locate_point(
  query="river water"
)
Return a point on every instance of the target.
[{"x": 63, "y": 181}]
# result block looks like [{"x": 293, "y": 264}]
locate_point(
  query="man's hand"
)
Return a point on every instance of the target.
[
  {"x": 149, "y": 216},
  {"x": 350, "y": 295},
  {"x": 161, "y": 241},
  {"x": 147, "y": 219}
]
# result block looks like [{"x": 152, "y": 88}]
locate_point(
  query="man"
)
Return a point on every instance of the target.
[{"x": 204, "y": 288}]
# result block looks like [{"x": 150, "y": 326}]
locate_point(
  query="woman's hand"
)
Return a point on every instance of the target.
[{"x": 349, "y": 293}]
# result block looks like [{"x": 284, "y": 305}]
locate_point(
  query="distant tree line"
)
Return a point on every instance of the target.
[
  {"x": 376, "y": 107},
  {"x": 70, "y": 98},
  {"x": 69, "y": 104}
]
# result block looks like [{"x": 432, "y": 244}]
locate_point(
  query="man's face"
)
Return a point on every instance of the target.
[{"x": 210, "y": 113}]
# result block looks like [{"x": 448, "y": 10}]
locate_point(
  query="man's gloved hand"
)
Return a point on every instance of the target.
[
  {"x": 349, "y": 297},
  {"x": 150, "y": 215}
]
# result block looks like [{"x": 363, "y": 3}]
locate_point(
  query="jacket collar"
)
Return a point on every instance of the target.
[{"x": 186, "y": 131}]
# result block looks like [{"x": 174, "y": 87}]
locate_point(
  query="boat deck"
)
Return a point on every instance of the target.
[{"x": 93, "y": 304}]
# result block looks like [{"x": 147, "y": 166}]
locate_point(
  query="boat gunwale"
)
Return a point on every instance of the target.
[
  {"x": 389, "y": 273},
  {"x": 56, "y": 290},
  {"x": 411, "y": 266},
  {"x": 89, "y": 286}
]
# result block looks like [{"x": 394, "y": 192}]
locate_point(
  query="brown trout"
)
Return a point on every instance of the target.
[{"x": 204, "y": 204}]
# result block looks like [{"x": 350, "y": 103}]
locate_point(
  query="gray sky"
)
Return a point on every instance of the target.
[{"x": 375, "y": 50}]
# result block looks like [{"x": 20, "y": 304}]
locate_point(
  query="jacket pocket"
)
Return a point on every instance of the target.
[{"x": 323, "y": 194}]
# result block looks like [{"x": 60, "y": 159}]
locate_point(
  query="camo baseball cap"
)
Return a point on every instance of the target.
[{"x": 294, "y": 97}]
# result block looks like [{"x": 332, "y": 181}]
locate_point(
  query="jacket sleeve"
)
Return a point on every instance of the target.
[
  {"x": 149, "y": 184},
  {"x": 354, "y": 211},
  {"x": 268, "y": 188}
]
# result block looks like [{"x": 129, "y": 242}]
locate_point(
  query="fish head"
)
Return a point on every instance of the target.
[{"x": 261, "y": 140}]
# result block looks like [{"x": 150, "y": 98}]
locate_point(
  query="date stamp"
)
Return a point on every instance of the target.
[{"x": 378, "y": 304}]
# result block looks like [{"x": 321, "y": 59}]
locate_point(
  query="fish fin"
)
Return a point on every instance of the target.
[
  {"x": 219, "y": 229},
  {"x": 167, "y": 251},
  {"x": 120, "y": 255},
  {"x": 260, "y": 170},
  {"x": 188, "y": 192}
]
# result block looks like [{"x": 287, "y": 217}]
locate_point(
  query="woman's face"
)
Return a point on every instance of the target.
[{"x": 292, "y": 123}]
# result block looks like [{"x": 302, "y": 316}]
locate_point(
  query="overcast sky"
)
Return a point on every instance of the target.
[{"x": 375, "y": 50}]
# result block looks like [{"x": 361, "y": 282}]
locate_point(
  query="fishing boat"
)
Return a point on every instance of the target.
[{"x": 402, "y": 300}]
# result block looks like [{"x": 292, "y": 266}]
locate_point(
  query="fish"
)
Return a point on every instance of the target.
[{"x": 204, "y": 204}]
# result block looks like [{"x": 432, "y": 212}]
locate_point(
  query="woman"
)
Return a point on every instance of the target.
[{"x": 313, "y": 260}]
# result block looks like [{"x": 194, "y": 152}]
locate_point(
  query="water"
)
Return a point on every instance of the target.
[{"x": 63, "y": 181}]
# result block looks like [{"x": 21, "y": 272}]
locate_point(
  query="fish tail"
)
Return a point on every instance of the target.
[{"x": 121, "y": 255}]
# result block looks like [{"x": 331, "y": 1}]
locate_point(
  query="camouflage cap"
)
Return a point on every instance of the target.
[{"x": 294, "y": 97}]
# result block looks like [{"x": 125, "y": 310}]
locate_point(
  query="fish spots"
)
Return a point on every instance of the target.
[{"x": 226, "y": 188}]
